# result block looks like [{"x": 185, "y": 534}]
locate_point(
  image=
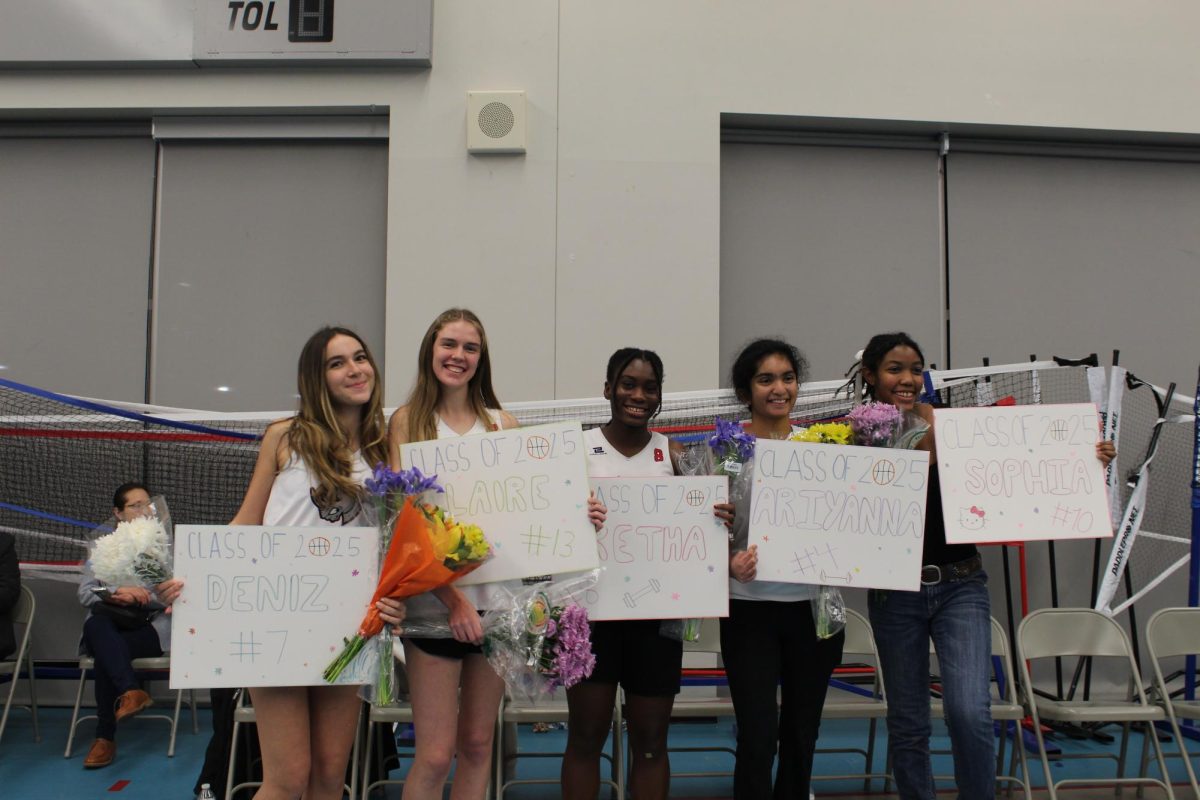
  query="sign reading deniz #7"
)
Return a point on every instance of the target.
[{"x": 308, "y": 20}]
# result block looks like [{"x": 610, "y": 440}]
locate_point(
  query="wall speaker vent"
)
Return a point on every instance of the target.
[{"x": 495, "y": 122}]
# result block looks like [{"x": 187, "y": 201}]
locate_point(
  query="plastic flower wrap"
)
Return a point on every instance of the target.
[
  {"x": 538, "y": 640},
  {"x": 136, "y": 552},
  {"x": 421, "y": 548},
  {"x": 732, "y": 450},
  {"x": 824, "y": 433}
]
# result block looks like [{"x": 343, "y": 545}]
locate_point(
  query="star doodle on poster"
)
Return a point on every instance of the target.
[
  {"x": 674, "y": 595},
  {"x": 567, "y": 482},
  {"x": 217, "y": 670},
  {"x": 192, "y": 631},
  {"x": 711, "y": 569},
  {"x": 354, "y": 573}
]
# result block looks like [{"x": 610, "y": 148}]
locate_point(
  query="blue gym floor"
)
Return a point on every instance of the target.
[{"x": 142, "y": 770}]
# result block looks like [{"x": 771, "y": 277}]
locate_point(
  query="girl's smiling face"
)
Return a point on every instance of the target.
[
  {"x": 348, "y": 371},
  {"x": 899, "y": 378},
  {"x": 773, "y": 388},
  {"x": 456, "y": 352},
  {"x": 636, "y": 394}
]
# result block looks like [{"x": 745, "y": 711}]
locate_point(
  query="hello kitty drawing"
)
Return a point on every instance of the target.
[{"x": 972, "y": 519}]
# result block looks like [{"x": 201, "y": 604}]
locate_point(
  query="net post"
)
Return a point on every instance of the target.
[{"x": 1194, "y": 566}]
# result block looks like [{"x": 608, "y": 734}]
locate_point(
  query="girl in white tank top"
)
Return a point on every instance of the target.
[
  {"x": 455, "y": 692},
  {"x": 300, "y": 478}
]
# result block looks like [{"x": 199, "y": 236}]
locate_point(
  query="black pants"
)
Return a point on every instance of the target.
[{"x": 766, "y": 646}]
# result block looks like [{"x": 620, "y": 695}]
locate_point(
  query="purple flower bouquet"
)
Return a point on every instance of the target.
[
  {"x": 732, "y": 450},
  {"x": 878, "y": 424},
  {"x": 543, "y": 640}
]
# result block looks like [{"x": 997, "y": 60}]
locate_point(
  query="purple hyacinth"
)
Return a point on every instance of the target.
[
  {"x": 385, "y": 480},
  {"x": 875, "y": 423},
  {"x": 729, "y": 438}
]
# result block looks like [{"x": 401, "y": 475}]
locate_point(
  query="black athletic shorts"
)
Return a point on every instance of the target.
[
  {"x": 631, "y": 653},
  {"x": 446, "y": 648}
]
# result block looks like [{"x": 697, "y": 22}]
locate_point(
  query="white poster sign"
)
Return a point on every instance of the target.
[
  {"x": 838, "y": 514},
  {"x": 268, "y": 606},
  {"x": 527, "y": 489},
  {"x": 1020, "y": 473},
  {"x": 665, "y": 555}
]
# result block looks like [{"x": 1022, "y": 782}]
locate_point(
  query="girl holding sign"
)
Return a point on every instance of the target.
[
  {"x": 631, "y": 653},
  {"x": 952, "y": 607},
  {"x": 455, "y": 692},
  {"x": 769, "y": 640},
  {"x": 309, "y": 472}
]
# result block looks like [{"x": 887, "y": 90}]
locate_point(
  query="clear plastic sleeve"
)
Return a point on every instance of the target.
[{"x": 829, "y": 612}]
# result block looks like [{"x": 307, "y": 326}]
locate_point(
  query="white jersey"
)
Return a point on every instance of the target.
[
  {"x": 604, "y": 460},
  {"x": 291, "y": 502}
]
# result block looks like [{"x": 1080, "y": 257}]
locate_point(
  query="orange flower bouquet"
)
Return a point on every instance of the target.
[{"x": 422, "y": 547}]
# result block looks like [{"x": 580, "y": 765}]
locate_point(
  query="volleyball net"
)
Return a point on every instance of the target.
[{"x": 61, "y": 457}]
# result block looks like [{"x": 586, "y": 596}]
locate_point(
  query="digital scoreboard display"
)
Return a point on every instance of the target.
[{"x": 310, "y": 21}]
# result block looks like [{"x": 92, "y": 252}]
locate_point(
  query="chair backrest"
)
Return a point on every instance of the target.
[
  {"x": 710, "y": 638},
  {"x": 26, "y": 607},
  {"x": 860, "y": 641},
  {"x": 1174, "y": 632},
  {"x": 1051, "y": 632}
]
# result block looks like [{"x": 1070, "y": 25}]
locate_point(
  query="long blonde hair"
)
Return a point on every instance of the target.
[
  {"x": 423, "y": 402},
  {"x": 315, "y": 434}
]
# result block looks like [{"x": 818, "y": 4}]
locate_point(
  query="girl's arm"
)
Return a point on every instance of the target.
[{"x": 254, "y": 504}]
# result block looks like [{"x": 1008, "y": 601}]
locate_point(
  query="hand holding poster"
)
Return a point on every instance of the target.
[
  {"x": 268, "y": 606},
  {"x": 1020, "y": 473},
  {"x": 526, "y": 487},
  {"x": 838, "y": 515},
  {"x": 665, "y": 555}
]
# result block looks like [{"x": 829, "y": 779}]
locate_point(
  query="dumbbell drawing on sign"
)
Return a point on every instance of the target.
[{"x": 631, "y": 598}]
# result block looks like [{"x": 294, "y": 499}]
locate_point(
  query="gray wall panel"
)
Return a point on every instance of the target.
[
  {"x": 827, "y": 246},
  {"x": 75, "y": 223},
  {"x": 1068, "y": 256},
  {"x": 261, "y": 243}
]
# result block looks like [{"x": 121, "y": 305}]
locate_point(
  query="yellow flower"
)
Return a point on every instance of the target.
[
  {"x": 477, "y": 546},
  {"x": 824, "y": 432}
]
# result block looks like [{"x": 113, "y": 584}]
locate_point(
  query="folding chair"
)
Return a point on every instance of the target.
[
  {"x": 1174, "y": 632},
  {"x": 1078, "y": 632},
  {"x": 690, "y": 706},
  {"x": 22, "y": 615},
  {"x": 516, "y": 710},
  {"x": 381, "y": 715},
  {"x": 847, "y": 701},
  {"x": 1006, "y": 709},
  {"x": 159, "y": 666}
]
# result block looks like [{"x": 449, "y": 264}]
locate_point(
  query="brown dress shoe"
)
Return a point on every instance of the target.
[
  {"x": 101, "y": 755},
  {"x": 132, "y": 702}
]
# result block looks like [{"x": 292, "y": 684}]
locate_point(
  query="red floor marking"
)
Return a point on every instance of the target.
[{"x": 118, "y": 786}]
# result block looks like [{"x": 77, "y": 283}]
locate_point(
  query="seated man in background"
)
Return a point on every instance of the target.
[
  {"x": 10, "y": 592},
  {"x": 126, "y": 622}
]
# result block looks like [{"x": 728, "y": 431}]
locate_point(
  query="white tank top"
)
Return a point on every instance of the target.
[
  {"x": 604, "y": 461},
  {"x": 444, "y": 431},
  {"x": 291, "y": 502}
]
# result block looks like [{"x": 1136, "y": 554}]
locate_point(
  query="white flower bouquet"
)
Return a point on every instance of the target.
[{"x": 136, "y": 553}]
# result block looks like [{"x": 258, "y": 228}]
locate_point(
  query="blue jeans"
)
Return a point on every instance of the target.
[{"x": 956, "y": 614}]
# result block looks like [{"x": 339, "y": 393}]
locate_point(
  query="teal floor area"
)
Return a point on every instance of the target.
[{"x": 142, "y": 770}]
